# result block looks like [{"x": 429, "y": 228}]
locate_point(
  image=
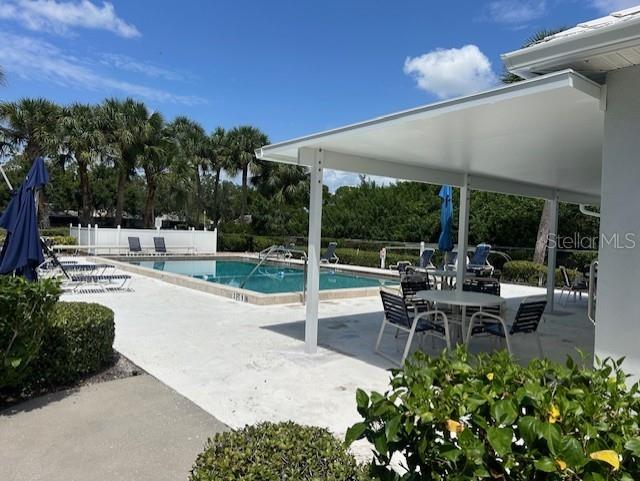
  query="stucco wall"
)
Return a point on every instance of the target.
[{"x": 618, "y": 309}]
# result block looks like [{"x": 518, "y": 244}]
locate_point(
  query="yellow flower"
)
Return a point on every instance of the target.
[
  {"x": 608, "y": 456},
  {"x": 561, "y": 464},
  {"x": 554, "y": 414},
  {"x": 454, "y": 426},
  {"x": 490, "y": 376}
]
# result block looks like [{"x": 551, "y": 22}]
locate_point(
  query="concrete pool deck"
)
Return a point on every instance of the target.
[{"x": 245, "y": 363}]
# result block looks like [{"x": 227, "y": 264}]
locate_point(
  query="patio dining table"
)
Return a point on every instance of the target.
[{"x": 462, "y": 300}]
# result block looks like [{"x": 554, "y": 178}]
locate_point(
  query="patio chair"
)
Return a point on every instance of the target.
[
  {"x": 396, "y": 314},
  {"x": 424, "y": 261},
  {"x": 486, "y": 286},
  {"x": 330, "y": 257},
  {"x": 576, "y": 286},
  {"x": 450, "y": 261},
  {"x": 87, "y": 283},
  {"x": 159, "y": 245},
  {"x": 478, "y": 263},
  {"x": 410, "y": 286},
  {"x": 134, "y": 245},
  {"x": 526, "y": 321}
]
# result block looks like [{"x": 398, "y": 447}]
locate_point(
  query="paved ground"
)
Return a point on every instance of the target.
[
  {"x": 244, "y": 363},
  {"x": 133, "y": 429}
]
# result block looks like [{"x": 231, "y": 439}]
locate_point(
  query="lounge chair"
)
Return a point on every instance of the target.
[
  {"x": 576, "y": 286},
  {"x": 134, "y": 245},
  {"x": 86, "y": 283},
  {"x": 526, "y": 321},
  {"x": 159, "y": 245},
  {"x": 330, "y": 254},
  {"x": 450, "y": 261},
  {"x": 52, "y": 270},
  {"x": 479, "y": 264},
  {"x": 396, "y": 314}
]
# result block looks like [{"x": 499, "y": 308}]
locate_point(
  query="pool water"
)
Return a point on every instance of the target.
[{"x": 268, "y": 279}]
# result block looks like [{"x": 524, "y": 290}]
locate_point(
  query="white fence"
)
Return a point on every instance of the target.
[{"x": 101, "y": 240}]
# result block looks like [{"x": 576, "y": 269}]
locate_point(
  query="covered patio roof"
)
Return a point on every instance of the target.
[{"x": 540, "y": 138}]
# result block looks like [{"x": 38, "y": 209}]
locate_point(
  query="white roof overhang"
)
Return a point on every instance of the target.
[
  {"x": 592, "y": 48},
  {"x": 537, "y": 138}
]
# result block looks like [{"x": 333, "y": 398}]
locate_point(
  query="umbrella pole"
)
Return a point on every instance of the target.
[{"x": 6, "y": 179}]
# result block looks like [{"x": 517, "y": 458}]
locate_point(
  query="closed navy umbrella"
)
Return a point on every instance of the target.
[
  {"x": 445, "y": 242},
  {"x": 22, "y": 251}
]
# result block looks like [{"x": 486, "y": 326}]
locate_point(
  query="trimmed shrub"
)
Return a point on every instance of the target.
[
  {"x": 461, "y": 417},
  {"x": 78, "y": 341},
  {"x": 531, "y": 273},
  {"x": 25, "y": 308},
  {"x": 275, "y": 452},
  {"x": 61, "y": 240},
  {"x": 55, "y": 232}
]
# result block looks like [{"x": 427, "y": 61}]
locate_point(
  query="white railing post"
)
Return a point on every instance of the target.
[{"x": 463, "y": 233}]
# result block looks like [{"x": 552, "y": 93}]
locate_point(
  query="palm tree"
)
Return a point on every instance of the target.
[
  {"x": 155, "y": 160},
  {"x": 545, "y": 217},
  {"x": 82, "y": 140},
  {"x": 30, "y": 124},
  {"x": 126, "y": 124},
  {"x": 243, "y": 142},
  {"x": 191, "y": 141},
  {"x": 219, "y": 155}
]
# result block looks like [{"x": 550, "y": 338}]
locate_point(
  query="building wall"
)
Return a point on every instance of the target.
[{"x": 618, "y": 309}]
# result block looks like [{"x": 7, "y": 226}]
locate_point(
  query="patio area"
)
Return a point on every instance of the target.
[{"x": 244, "y": 363}]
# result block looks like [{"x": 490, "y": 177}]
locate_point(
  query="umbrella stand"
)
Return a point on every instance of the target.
[{"x": 6, "y": 179}]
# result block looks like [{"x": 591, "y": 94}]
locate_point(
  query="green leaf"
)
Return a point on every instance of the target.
[
  {"x": 529, "y": 429},
  {"x": 392, "y": 427},
  {"x": 545, "y": 464},
  {"x": 633, "y": 445},
  {"x": 362, "y": 399},
  {"x": 15, "y": 362},
  {"x": 570, "y": 450},
  {"x": 355, "y": 432},
  {"x": 500, "y": 440},
  {"x": 450, "y": 452},
  {"x": 504, "y": 412},
  {"x": 551, "y": 433}
]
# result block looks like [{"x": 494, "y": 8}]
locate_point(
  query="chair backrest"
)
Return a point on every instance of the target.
[
  {"x": 566, "y": 282},
  {"x": 134, "y": 244},
  {"x": 480, "y": 255},
  {"x": 425, "y": 258},
  {"x": 159, "y": 245},
  {"x": 528, "y": 316},
  {"x": 486, "y": 286},
  {"x": 410, "y": 285},
  {"x": 395, "y": 310},
  {"x": 331, "y": 251},
  {"x": 450, "y": 259}
]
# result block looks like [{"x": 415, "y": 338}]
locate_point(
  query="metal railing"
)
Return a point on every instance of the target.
[{"x": 281, "y": 252}]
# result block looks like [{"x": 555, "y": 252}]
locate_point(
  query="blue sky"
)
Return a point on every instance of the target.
[{"x": 289, "y": 67}]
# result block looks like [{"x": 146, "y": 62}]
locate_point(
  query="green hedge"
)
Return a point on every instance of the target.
[
  {"x": 25, "y": 308},
  {"x": 61, "y": 240},
  {"x": 458, "y": 417},
  {"x": 275, "y": 452},
  {"x": 78, "y": 341},
  {"x": 55, "y": 232},
  {"x": 527, "y": 272}
]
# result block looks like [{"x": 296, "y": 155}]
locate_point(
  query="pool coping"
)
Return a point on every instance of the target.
[{"x": 236, "y": 293}]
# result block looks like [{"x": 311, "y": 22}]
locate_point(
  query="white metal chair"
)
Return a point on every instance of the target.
[
  {"x": 577, "y": 286},
  {"x": 526, "y": 321},
  {"x": 396, "y": 314}
]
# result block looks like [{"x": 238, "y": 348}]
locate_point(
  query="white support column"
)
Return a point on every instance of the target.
[
  {"x": 463, "y": 233},
  {"x": 552, "y": 248},
  {"x": 314, "y": 158}
]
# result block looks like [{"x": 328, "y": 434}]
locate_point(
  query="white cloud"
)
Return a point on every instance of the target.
[
  {"x": 610, "y": 6},
  {"x": 335, "y": 179},
  {"x": 129, "y": 64},
  {"x": 516, "y": 12},
  {"x": 452, "y": 72},
  {"x": 30, "y": 58},
  {"x": 61, "y": 17}
]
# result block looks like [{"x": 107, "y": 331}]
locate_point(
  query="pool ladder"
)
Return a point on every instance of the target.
[{"x": 286, "y": 253}]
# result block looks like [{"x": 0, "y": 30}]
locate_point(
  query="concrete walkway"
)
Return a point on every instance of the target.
[
  {"x": 244, "y": 363},
  {"x": 134, "y": 429}
]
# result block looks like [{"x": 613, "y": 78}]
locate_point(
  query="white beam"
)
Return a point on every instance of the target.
[
  {"x": 314, "y": 157},
  {"x": 385, "y": 168},
  {"x": 552, "y": 249},
  {"x": 463, "y": 234}
]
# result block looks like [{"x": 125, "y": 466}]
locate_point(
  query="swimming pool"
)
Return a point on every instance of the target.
[{"x": 268, "y": 279}]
